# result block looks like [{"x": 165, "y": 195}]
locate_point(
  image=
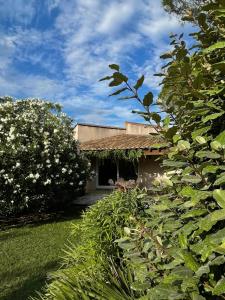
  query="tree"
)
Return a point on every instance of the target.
[
  {"x": 184, "y": 8},
  {"x": 40, "y": 164},
  {"x": 181, "y": 237}
]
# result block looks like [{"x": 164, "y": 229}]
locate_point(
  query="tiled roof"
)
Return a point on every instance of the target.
[{"x": 122, "y": 141}]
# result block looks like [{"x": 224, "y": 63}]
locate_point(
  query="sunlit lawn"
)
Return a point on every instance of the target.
[{"x": 28, "y": 253}]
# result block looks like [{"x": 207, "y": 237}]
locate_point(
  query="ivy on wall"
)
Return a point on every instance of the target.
[{"x": 130, "y": 155}]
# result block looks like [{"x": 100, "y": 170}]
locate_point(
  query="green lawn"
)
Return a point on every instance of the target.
[{"x": 28, "y": 253}]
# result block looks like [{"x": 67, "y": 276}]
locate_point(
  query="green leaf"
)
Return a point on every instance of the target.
[
  {"x": 207, "y": 154},
  {"x": 206, "y": 223},
  {"x": 172, "y": 163},
  {"x": 195, "y": 195},
  {"x": 148, "y": 99},
  {"x": 216, "y": 145},
  {"x": 106, "y": 78},
  {"x": 127, "y": 98},
  {"x": 120, "y": 77},
  {"x": 210, "y": 169},
  {"x": 190, "y": 261},
  {"x": 118, "y": 91},
  {"x": 200, "y": 131},
  {"x": 156, "y": 117},
  {"x": 182, "y": 240},
  {"x": 166, "y": 55},
  {"x": 220, "y": 179},
  {"x": 212, "y": 117},
  {"x": 115, "y": 82},
  {"x": 194, "y": 213},
  {"x": 115, "y": 67},
  {"x": 200, "y": 139},
  {"x": 191, "y": 179},
  {"x": 218, "y": 45},
  {"x": 183, "y": 145},
  {"x": 139, "y": 82},
  {"x": 219, "y": 196},
  {"x": 220, "y": 287},
  {"x": 221, "y": 138}
]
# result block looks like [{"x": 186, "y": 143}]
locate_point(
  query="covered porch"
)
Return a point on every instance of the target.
[{"x": 133, "y": 158}]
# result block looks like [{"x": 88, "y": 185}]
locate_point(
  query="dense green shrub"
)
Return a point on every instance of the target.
[
  {"x": 95, "y": 259},
  {"x": 181, "y": 244},
  {"x": 40, "y": 164}
]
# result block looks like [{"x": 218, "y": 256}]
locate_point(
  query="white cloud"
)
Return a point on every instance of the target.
[
  {"x": 116, "y": 15},
  {"x": 73, "y": 52},
  {"x": 19, "y": 11}
]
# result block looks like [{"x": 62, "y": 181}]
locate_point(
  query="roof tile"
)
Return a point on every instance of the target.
[{"x": 122, "y": 142}]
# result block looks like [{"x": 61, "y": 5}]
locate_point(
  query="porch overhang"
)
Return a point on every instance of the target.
[{"x": 148, "y": 144}]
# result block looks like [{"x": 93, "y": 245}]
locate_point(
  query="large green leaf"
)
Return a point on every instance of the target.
[
  {"x": 219, "y": 289},
  {"x": 219, "y": 196},
  {"x": 191, "y": 178},
  {"x": 139, "y": 82},
  {"x": 190, "y": 261},
  {"x": 221, "y": 138},
  {"x": 220, "y": 179},
  {"x": 218, "y": 45},
  {"x": 206, "y": 223},
  {"x": 212, "y": 117},
  {"x": 148, "y": 99},
  {"x": 114, "y": 67},
  {"x": 207, "y": 154}
]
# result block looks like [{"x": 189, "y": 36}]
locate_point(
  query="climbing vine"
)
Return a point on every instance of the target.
[{"x": 130, "y": 155}]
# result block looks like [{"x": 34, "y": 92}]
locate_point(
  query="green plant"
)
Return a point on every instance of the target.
[
  {"x": 179, "y": 246},
  {"x": 40, "y": 165},
  {"x": 92, "y": 268},
  {"x": 130, "y": 155}
]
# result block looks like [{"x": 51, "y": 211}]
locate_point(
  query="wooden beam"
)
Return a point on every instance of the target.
[{"x": 154, "y": 152}]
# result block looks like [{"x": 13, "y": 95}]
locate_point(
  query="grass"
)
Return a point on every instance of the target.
[{"x": 28, "y": 254}]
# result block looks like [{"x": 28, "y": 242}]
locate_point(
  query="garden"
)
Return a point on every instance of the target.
[{"x": 166, "y": 243}]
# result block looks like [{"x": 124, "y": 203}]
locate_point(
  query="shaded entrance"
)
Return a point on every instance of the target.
[{"x": 109, "y": 171}]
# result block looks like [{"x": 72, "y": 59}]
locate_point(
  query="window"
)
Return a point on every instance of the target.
[{"x": 109, "y": 171}]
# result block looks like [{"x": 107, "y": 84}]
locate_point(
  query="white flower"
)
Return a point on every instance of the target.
[
  {"x": 64, "y": 170},
  {"x": 56, "y": 160},
  {"x": 80, "y": 183},
  {"x": 71, "y": 183},
  {"x": 48, "y": 181},
  {"x": 12, "y": 201},
  {"x": 17, "y": 165},
  {"x": 37, "y": 176}
]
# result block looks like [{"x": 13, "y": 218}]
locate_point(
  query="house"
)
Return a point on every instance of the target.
[{"x": 128, "y": 153}]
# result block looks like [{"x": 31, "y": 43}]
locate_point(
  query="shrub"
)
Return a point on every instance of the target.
[
  {"x": 40, "y": 164},
  {"x": 95, "y": 259},
  {"x": 180, "y": 243}
]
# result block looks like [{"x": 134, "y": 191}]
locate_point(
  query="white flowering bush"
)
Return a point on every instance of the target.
[{"x": 40, "y": 164}]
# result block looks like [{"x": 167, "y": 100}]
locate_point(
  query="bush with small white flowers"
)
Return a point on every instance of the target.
[{"x": 41, "y": 167}]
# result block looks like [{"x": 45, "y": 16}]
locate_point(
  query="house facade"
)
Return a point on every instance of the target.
[{"x": 128, "y": 153}]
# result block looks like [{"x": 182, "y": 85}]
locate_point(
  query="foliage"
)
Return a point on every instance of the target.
[
  {"x": 179, "y": 246},
  {"x": 95, "y": 258},
  {"x": 130, "y": 155},
  {"x": 185, "y": 8},
  {"x": 40, "y": 164}
]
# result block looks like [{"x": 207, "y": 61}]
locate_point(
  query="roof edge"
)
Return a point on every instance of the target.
[{"x": 100, "y": 126}]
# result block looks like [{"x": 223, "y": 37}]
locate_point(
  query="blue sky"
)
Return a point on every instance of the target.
[{"x": 58, "y": 49}]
